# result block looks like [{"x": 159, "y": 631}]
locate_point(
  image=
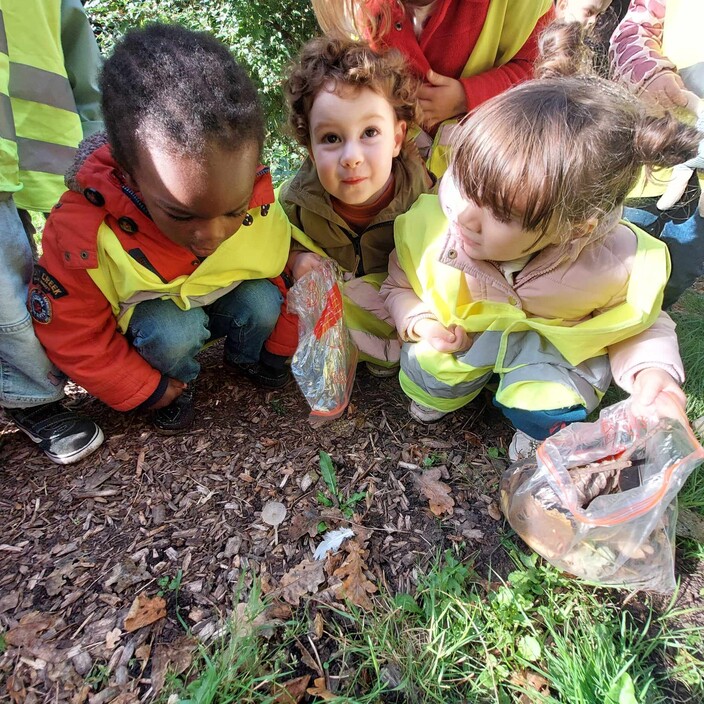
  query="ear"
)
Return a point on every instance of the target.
[{"x": 399, "y": 136}]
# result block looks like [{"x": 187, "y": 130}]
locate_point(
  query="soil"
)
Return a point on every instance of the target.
[{"x": 79, "y": 543}]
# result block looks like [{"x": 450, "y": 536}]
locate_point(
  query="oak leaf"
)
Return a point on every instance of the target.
[
  {"x": 302, "y": 523},
  {"x": 144, "y": 610},
  {"x": 437, "y": 492},
  {"x": 355, "y": 585},
  {"x": 320, "y": 690},
  {"x": 293, "y": 691},
  {"x": 304, "y": 578}
]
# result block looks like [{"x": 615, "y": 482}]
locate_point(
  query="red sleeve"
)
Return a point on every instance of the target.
[
  {"x": 284, "y": 338},
  {"x": 484, "y": 86},
  {"x": 75, "y": 323}
]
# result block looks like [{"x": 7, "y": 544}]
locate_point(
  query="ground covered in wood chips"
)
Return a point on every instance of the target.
[{"x": 87, "y": 551}]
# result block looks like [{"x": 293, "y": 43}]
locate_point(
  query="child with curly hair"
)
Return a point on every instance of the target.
[
  {"x": 168, "y": 234},
  {"x": 350, "y": 107}
]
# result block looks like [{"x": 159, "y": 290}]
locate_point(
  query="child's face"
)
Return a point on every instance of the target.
[
  {"x": 196, "y": 202},
  {"x": 354, "y": 137},
  {"x": 584, "y": 11},
  {"x": 485, "y": 237}
]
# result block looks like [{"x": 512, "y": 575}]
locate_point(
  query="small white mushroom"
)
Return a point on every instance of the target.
[{"x": 273, "y": 513}]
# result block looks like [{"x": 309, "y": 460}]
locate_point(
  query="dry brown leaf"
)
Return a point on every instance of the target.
[
  {"x": 292, "y": 692},
  {"x": 531, "y": 682},
  {"x": 355, "y": 585},
  {"x": 437, "y": 492},
  {"x": 144, "y": 610},
  {"x": 175, "y": 656},
  {"x": 320, "y": 690},
  {"x": 29, "y": 628},
  {"x": 16, "y": 690},
  {"x": 304, "y": 578},
  {"x": 302, "y": 523}
]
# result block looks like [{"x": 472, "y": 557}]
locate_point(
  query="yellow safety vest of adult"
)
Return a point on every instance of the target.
[
  {"x": 420, "y": 235},
  {"x": 39, "y": 125}
]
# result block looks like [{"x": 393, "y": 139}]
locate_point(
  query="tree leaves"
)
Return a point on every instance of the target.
[
  {"x": 355, "y": 585},
  {"x": 304, "y": 578},
  {"x": 144, "y": 610},
  {"x": 437, "y": 492}
]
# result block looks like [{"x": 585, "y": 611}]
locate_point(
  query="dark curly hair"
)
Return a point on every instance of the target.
[
  {"x": 179, "y": 87},
  {"x": 344, "y": 63}
]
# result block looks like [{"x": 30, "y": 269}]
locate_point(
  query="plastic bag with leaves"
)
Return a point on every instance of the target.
[
  {"x": 325, "y": 360},
  {"x": 599, "y": 500}
]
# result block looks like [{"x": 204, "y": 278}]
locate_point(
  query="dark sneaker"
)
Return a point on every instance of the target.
[
  {"x": 178, "y": 416},
  {"x": 260, "y": 374},
  {"x": 63, "y": 435}
]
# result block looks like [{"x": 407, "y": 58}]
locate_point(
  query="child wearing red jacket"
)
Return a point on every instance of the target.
[
  {"x": 467, "y": 51},
  {"x": 168, "y": 235}
]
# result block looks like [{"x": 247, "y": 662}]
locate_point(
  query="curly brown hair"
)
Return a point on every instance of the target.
[{"x": 326, "y": 61}]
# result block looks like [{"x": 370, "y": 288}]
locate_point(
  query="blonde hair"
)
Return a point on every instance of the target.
[
  {"x": 565, "y": 149},
  {"x": 354, "y": 19},
  {"x": 343, "y": 63}
]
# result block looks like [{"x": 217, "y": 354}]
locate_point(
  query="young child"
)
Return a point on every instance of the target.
[
  {"x": 140, "y": 265},
  {"x": 586, "y": 12},
  {"x": 466, "y": 52},
  {"x": 658, "y": 53},
  {"x": 349, "y": 107},
  {"x": 520, "y": 267}
]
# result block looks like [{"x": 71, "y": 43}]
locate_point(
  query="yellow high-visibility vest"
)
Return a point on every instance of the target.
[{"x": 35, "y": 92}]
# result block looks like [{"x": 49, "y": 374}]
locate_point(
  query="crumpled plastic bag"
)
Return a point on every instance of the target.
[
  {"x": 325, "y": 360},
  {"x": 599, "y": 500}
]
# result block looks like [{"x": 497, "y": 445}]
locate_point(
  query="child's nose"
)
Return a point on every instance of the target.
[
  {"x": 210, "y": 234},
  {"x": 351, "y": 155},
  {"x": 470, "y": 217}
]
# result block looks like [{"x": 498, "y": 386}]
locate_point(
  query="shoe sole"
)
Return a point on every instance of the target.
[
  {"x": 93, "y": 445},
  {"x": 425, "y": 421},
  {"x": 385, "y": 374}
]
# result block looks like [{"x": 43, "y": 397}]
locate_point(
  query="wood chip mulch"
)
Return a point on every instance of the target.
[{"x": 79, "y": 544}]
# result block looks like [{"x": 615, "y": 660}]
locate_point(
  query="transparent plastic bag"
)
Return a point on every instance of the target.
[
  {"x": 599, "y": 500},
  {"x": 325, "y": 360}
]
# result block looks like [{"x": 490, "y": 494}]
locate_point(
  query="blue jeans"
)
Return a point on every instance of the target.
[
  {"x": 681, "y": 228},
  {"x": 170, "y": 338},
  {"x": 27, "y": 377}
]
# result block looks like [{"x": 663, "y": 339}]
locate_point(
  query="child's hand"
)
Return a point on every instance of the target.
[
  {"x": 442, "y": 339},
  {"x": 174, "y": 389},
  {"x": 440, "y": 98},
  {"x": 655, "y": 387},
  {"x": 667, "y": 91},
  {"x": 303, "y": 263}
]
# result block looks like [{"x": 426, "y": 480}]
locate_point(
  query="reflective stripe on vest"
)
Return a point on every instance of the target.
[
  {"x": 9, "y": 170},
  {"x": 47, "y": 125}
]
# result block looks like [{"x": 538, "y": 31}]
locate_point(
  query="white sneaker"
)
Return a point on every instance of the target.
[
  {"x": 381, "y": 372},
  {"x": 423, "y": 414},
  {"x": 522, "y": 446}
]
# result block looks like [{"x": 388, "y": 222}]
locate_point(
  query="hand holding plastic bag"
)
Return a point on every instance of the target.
[
  {"x": 683, "y": 172},
  {"x": 325, "y": 361},
  {"x": 599, "y": 499}
]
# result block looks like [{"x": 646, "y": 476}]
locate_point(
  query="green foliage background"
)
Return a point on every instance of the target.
[{"x": 263, "y": 35}]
